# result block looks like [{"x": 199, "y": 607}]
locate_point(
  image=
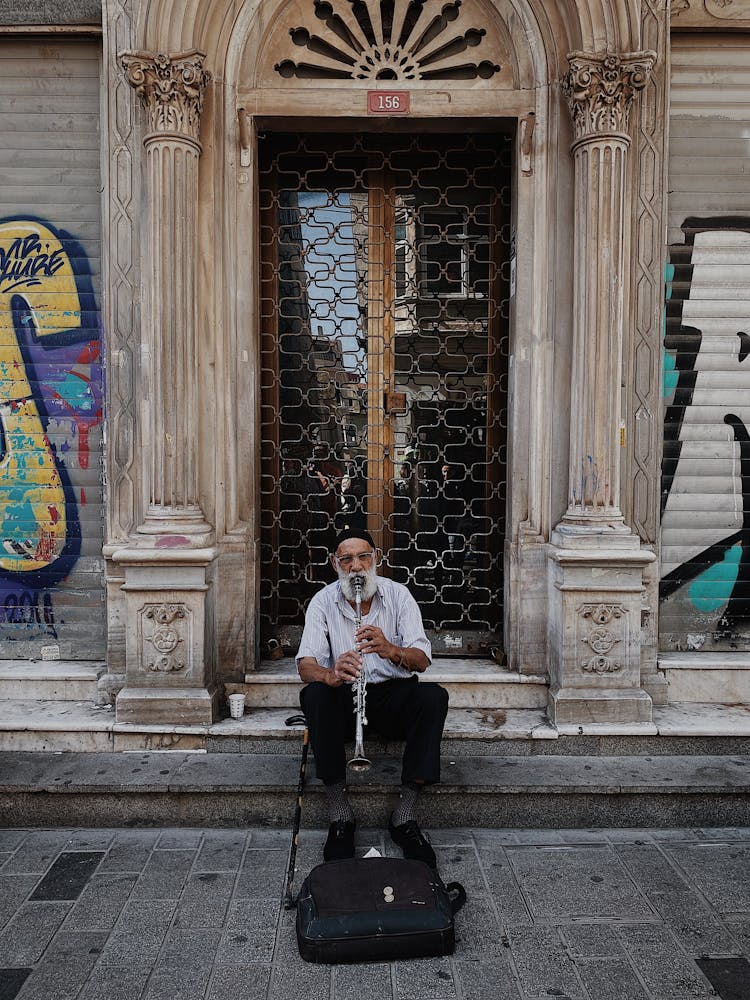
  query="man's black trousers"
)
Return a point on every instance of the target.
[{"x": 397, "y": 709}]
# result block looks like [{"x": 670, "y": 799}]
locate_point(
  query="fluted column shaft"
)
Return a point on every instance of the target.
[
  {"x": 599, "y": 90},
  {"x": 171, "y": 89}
]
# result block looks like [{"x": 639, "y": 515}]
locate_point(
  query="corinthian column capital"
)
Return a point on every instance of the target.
[
  {"x": 171, "y": 89},
  {"x": 600, "y": 89}
]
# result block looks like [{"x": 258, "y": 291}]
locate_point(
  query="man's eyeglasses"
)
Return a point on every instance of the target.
[{"x": 345, "y": 561}]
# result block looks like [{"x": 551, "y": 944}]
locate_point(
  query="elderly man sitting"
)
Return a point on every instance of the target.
[{"x": 391, "y": 647}]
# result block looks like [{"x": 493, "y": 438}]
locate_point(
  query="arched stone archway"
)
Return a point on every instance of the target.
[{"x": 238, "y": 45}]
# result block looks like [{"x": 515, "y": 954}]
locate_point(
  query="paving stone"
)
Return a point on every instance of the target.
[
  {"x": 274, "y": 839},
  {"x": 740, "y": 931},
  {"x": 592, "y": 941},
  {"x": 164, "y": 875},
  {"x": 675, "y": 900},
  {"x": 311, "y": 982},
  {"x": 179, "y": 840},
  {"x": 543, "y": 967},
  {"x": 730, "y": 977},
  {"x": 741, "y": 833},
  {"x": 240, "y": 982},
  {"x": 10, "y": 839},
  {"x": 478, "y": 932},
  {"x": 360, "y": 982},
  {"x": 139, "y": 947},
  {"x": 11, "y": 981},
  {"x": 262, "y": 875},
  {"x": 112, "y": 982},
  {"x": 221, "y": 851},
  {"x": 89, "y": 840},
  {"x": 101, "y": 902},
  {"x": 14, "y": 890},
  {"x": 192, "y": 949},
  {"x": 129, "y": 851},
  {"x": 509, "y": 898},
  {"x": 250, "y": 932},
  {"x": 175, "y": 983},
  {"x": 564, "y": 883},
  {"x": 661, "y": 964},
  {"x": 286, "y": 950},
  {"x": 425, "y": 979},
  {"x": 36, "y": 853},
  {"x": 27, "y": 934},
  {"x": 494, "y": 838},
  {"x": 611, "y": 981},
  {"x": 546, "y": 838},
  {"x": 128, "y": 940},
  {"x": 716, "y": 870},
  {"x": 68, "y": 875},
  {"x": 153, "y": 913},
  {"x": 205, "y": 899},
  {"x": 461, "y": 864},
  {"x": 486, "y": 981},
  {"x": 66, "y": 966}
]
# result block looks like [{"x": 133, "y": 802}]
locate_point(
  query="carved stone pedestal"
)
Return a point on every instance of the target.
[
  {"x": 595, "y": 585},
  {"x": 170, "y": 670},
  {"x": 168, "y": 563}
]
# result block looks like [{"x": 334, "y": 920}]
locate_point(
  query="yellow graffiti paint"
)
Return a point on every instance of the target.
[{"x": 35, "y": 266}]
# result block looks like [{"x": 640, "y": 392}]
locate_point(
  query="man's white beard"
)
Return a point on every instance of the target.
[{"x": 369, "y": 583}]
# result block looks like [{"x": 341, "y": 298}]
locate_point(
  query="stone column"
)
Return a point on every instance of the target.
[
  {"x": 168, "y": 563},
  {"x": 596, "y": 563}
]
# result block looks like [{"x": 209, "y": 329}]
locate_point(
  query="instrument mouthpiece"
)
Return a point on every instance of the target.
[{"x": 358, "y": 582}]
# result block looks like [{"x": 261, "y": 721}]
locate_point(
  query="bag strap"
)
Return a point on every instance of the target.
[{"x": 460, "y": 898}]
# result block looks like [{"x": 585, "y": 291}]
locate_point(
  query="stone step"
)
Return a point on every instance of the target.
[
  {"x": 49, "y": 680},
  {"x": 29, "y": 726},
  {"x": 183, "y": 789},
  {"x": 719, "y": 677},
  {"x": 470, "y": 684}
]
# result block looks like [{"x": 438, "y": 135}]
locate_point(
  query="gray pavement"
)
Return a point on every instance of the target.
[{"x": 191, "y": 914}]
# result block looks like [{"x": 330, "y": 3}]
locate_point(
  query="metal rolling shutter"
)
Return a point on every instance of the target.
[
  {"x": 51, "y": 373},
  {"x": 705, "y": 550}
]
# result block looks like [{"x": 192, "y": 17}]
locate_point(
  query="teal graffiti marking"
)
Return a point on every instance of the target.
[{"x": 713, "y": 588}]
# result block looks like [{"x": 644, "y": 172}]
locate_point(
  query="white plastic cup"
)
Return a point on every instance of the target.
[{"x": 237, "y": 705}]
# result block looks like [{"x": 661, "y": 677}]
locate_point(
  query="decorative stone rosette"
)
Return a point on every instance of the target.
[
  {"x": 171, "y": 89},
  {"x": 163, "y": 630},
  {"x": 600, "y": 89},
  {"x": 601, "y": 639}
]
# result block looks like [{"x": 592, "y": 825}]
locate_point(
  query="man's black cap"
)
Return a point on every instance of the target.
[{"x": 345, "y": 535}]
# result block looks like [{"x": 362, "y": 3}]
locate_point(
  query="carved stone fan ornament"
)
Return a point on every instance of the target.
[{"x": 388, "y": 40}]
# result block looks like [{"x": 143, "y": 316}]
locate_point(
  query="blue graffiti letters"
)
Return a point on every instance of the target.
[{"x": 27, "y": 260}]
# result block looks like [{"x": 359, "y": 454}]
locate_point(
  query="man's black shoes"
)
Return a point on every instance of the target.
[
  {"x": 340, "y": 841},
  {"x": 412, "y": 842}
]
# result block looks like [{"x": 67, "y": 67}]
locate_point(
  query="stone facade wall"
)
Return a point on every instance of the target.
[{"x": 50, "y": 12}]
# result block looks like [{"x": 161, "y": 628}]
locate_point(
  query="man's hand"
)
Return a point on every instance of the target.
[
  {"x": 370, "y": 639},
  {"x": 347, "y": 668}
]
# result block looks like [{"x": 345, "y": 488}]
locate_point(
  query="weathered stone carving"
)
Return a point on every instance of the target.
[
  {"x": 389, "y": 40},
  {"x": 600, "y": 90},
  {"x": 709, "y": 13},
  {"x": 601, "y": 639},
  {"x": 171, "y": 89},
  {"x": 165, "y": 637}
]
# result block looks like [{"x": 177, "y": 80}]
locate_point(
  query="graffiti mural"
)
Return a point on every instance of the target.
[
  {"x": 705, "y": 587},
  {"x": 50, "y": 399}
]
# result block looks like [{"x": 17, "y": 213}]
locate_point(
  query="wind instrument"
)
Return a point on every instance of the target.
[{"x": 359, "y": 691}]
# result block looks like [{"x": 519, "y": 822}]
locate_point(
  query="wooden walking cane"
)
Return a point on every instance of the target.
[{"x": 289, "y": 901}]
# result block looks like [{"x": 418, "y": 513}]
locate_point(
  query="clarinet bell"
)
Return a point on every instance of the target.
[{"x": 359, "y": 764}]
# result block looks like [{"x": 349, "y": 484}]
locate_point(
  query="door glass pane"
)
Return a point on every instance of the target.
[{"x": 384, "y": 349}]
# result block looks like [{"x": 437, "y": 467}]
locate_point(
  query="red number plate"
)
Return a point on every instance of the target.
[{"x": 387, "y": 102}]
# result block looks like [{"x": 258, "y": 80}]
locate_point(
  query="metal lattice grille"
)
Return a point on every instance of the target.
[{"x": 384, "y": 357}]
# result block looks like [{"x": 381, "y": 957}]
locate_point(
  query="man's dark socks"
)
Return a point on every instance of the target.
[{"x": 339, "y": 808}]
